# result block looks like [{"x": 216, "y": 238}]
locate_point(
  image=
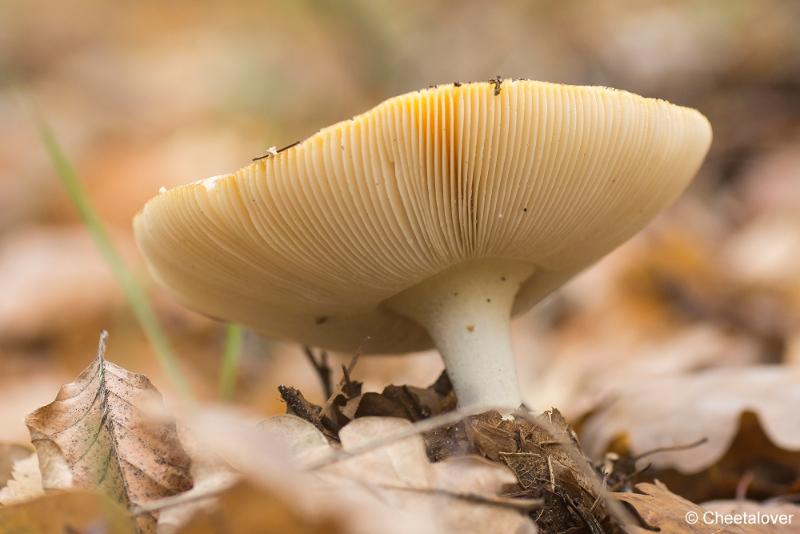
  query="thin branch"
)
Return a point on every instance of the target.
[
  {"x": 513, "y": 503},
  {"x": 671, "y": 448},
  {"x": 346, "y": 372},
  {"x": 322, "y": 369},
  {"x": 177, "y": 500}
]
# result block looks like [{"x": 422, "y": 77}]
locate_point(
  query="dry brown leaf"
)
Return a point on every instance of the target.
[
  {"x": 25, "y": 484},
  {"x": 760, "y": 262},
  {"x": 201, "y": 497},
  {"x": 96, "y": 435},
  {"x": 10, "y": 453},
  {"x": 591, "y": 366},
  {"x": 38, "y": 298},
  {"x": 27, "y": 381},
  {"x": 670, "y": 514},
  {"x": 683, "y": 409},
  {"x": 391, "y": 489},
  {"x": 402, "y": 463},
  {"x": 260, "y": 450},
  {"x": 473, "y": 474},
  {"x": 302, "y": 439},
  {"x": 66, "y": 512},
  {"x": 250, "y": 508},
  {"x": 548, "y": 463},
  {"x": 406, "y": 476}
]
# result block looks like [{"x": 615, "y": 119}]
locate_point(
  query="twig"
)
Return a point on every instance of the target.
[
  {"x": 346, "y": 372},
  {"x": 359, "y": 351},
  {"x": 671, "y": 448},
  {"x": 520, "y": 505},
  {"x": 176, "y": 500},
  {"x": 322, "y": 369}
]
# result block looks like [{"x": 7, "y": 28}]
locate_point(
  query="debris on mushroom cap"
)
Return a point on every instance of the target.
[{"x": 367, "y": 208}]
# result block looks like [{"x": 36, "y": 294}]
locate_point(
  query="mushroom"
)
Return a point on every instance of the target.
[{"x": 429, "y": 220}]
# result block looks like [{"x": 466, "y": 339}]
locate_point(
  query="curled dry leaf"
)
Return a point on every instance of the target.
[
  {"x": 25, "y": 483},
  {"x": 548, "y": 463},
  {"x": 67, "y": 512},
  {"x": 657, "y": 414},
  {"x": 746, "y": 415},
  {"x": 667, "y": 513},
  {"x": 97, "y": 435},
  {"x": 592, "y": 366}
]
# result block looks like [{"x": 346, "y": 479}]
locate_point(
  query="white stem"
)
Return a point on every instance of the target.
[{"x": 467, "y": 312}]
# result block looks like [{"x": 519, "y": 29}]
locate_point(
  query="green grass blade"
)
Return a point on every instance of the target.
[
  {"x": 234, "y": 335},
  {"x": 137, "y": 298}
]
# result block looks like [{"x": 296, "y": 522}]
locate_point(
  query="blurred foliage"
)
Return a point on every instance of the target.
[{"x": 150, "y": 94}]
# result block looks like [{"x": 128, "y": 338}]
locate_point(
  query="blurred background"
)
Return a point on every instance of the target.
[{"x": 150, "y": 94}]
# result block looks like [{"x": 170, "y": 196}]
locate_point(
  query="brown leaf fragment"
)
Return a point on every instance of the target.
[
  {"x": 662, "y": 510},
  {"x": 249, "y": 508},
  {"x": 543, "y": 454},
  {"x": 9, "y": 454},
  {"x": 333, "y": 417},
  {"x": 492, "y": 435},
  {"x": 25, "y": 484},
  {"x": 100, "y": 434},
  {"x": 66, "y": 512},
  {"x": 296, "y": 404},
  {"x": 378, "y": 405},
  {"x": 448, "y": 441}
]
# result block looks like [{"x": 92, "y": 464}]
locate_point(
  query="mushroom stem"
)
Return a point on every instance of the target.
[{"x": 467, "y": 312}]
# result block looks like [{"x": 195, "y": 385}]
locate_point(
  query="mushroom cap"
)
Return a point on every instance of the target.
[{"x": 307, "y": 244}]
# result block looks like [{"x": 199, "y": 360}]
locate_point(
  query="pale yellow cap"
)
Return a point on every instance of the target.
[{"x": 308, "y": 243}]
